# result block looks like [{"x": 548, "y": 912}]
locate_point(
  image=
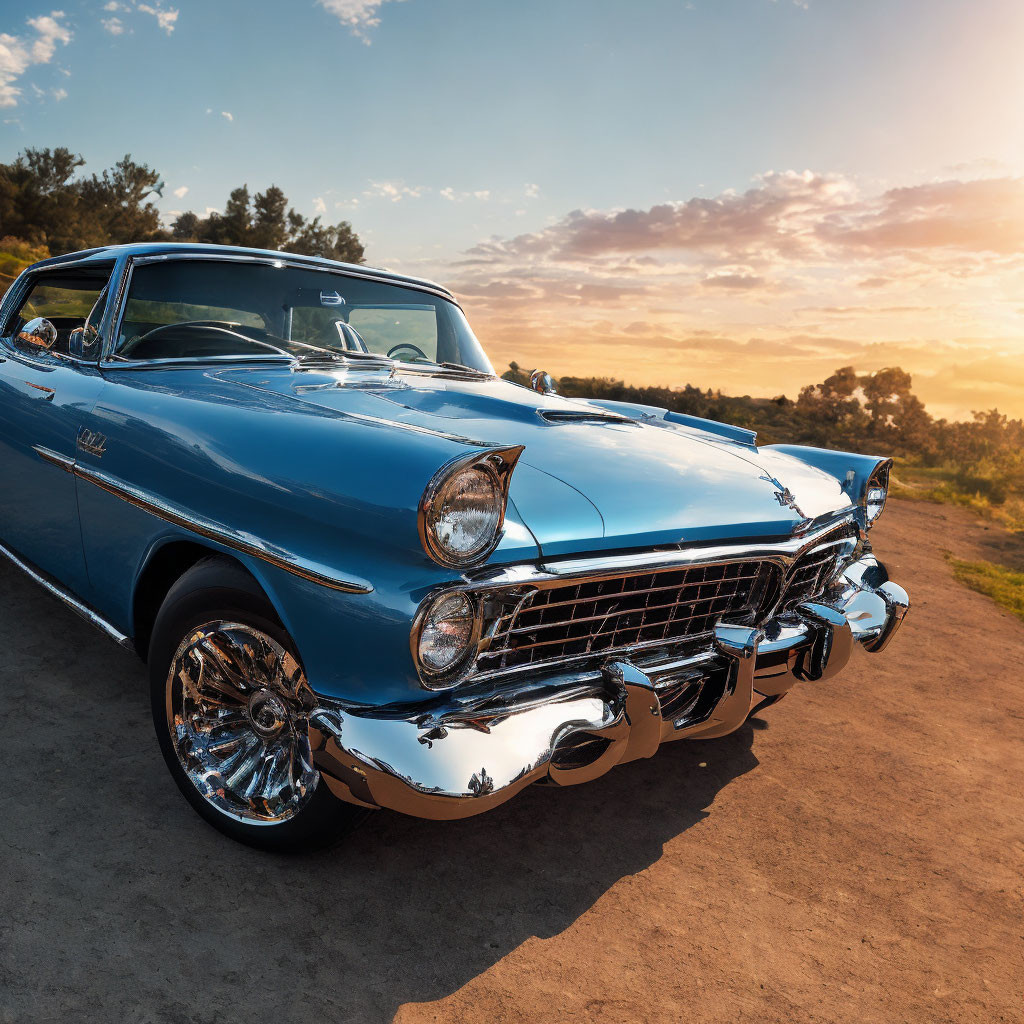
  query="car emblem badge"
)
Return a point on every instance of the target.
[
  {"x": 784, "y": 496},
  {"x": 91, "y": 441}
]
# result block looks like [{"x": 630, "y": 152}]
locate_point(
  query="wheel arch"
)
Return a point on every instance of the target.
[{"x": 164, "y": 565}]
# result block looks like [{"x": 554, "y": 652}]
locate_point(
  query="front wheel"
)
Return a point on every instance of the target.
[{"x": 231, "y": 707}]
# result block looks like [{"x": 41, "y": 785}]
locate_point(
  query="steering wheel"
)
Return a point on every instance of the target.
[
  {"x": 217, "y": 326},
  {"x": 415, "y": 349}
]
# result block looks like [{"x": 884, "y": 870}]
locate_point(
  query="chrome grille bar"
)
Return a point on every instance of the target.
[
  {"x": 817, "y": 565},
  {"x": 581, "y": 618}
]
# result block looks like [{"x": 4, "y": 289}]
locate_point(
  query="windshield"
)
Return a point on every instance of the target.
[{"x": 188, "y": 309}]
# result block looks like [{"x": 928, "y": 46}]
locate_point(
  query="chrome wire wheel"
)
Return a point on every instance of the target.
[{"x": 238, "y": 708}]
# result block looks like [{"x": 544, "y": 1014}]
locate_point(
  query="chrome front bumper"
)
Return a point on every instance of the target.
[{"x": 459, "y": 759}]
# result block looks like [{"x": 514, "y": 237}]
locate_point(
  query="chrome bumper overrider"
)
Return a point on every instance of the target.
[{"x": 455, "y": 759}]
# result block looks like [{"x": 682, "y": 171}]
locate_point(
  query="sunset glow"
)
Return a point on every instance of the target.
[
  {"x": 737, "y": 194},
  {"x": 750, "y": 292}
]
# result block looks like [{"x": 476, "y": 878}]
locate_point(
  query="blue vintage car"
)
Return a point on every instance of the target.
[{"x": 366, "y": 572}]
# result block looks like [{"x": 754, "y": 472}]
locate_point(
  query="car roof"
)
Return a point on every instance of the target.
[{"x": 108, "y": 252}]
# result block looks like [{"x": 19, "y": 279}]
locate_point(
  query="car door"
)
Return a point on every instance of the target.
[{"x": 49, "y": 382}]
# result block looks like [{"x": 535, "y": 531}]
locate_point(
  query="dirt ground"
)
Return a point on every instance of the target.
[{"x": 857, "y": 855}]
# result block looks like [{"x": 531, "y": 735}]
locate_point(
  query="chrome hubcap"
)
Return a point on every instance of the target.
[
  {"x": 238, "y": 708},
  {"x": 267, "y": 713}
]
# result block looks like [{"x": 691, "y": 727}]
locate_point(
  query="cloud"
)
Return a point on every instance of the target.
[
  {"x": 227, "y": 115},
  {"x": 734, "y": 281},
  {"x": 482, "y": 194},
  {"x": 59, "y": 94},
  {"x": 790, "y": 215},
  {"x": 181, "y": 192},
  {"x": 395, "y": 191},
  {"x": 359, "y": 16},
  {"x": 18, "y": 54},
  {"x": 319, "y": 206},
  {"x": 982, "y": 216},
  {"x": 166, "y": 17},
  {"x": 780, "y": 211},
  {"x": 747, "y": 289}
]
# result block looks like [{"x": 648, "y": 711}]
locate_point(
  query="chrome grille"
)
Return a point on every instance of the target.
[
  {"x": 583, "y": 618},
  {"x": 815, "y": 567}
]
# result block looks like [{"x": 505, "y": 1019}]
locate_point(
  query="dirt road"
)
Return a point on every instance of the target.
[{"x": 857, "y": 855}]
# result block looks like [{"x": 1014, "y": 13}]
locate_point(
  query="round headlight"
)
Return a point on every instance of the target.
[
  {"x": 465, "y": 514},
  {"x": 447, "y": 633},
  {"x": 876, "y": 493}
]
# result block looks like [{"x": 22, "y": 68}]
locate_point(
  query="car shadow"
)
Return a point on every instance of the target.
[{"x": 142, "y": 912}]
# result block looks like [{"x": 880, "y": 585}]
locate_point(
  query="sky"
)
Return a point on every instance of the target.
[{"x": 737, "y": 194}]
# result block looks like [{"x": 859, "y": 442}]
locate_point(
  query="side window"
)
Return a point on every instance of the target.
[
  {"x": 61, "y": 314},
  {"x": 183, "y": 309}
]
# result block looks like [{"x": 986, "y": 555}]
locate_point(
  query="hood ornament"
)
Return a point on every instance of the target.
[{"x": 784, "y": 496}]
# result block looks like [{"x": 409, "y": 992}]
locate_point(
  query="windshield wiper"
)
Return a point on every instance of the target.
[
  {"x": 463, "y": 366},
  {"x": 320, "y": 357},
  {"x": 460, "y": 368}
]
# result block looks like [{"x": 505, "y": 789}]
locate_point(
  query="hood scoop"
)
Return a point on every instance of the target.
[{"x": 583, "y": 416}]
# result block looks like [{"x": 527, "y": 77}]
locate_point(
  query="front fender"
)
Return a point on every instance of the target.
[{"x": 851, "y": 470}]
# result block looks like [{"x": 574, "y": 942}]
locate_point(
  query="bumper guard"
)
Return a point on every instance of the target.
[{"x": 454, "y": 762}]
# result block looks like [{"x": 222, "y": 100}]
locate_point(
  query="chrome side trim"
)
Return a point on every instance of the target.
[
  {"x": 206, "y": 528},
  {"x": 79, "y": 607},
  {"x": 55, "y": 458},
  {"x": 222, "y": 534}
]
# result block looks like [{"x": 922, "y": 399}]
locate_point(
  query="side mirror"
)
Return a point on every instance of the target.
[
  {"x": 82, "y": 342},
  {"x": 76, "y": 343},
  {"x": 540, "y": 380},
  {"x": 38, "y": 334}
]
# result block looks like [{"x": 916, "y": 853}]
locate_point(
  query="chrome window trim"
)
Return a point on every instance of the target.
[
  {"x": 233, "y": 539},
  {"x": 15, "y": 297},
  {"x": 284, "y": 260},
  {"x": 191, "y": 362},
  {"x": 65, "y": 596}
]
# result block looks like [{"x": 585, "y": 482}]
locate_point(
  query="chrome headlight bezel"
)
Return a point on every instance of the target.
[
  {"x": 497, "y": 464},
  {"x": 876, "y": 491},
  {"x": 450, "y": 674}
]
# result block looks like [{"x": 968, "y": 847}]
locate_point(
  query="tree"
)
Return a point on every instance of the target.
[
  {"x": 270, "y": 228},
  {"x": 117, "y": 201},
  {"x": 833, "y": 400},
  {"x": 42, "y": 203},
  {"x": 265, "y": 221},
  {"x": 185, "y": 227}
]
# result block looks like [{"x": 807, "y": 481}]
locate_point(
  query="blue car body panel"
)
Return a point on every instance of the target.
[{"x": 329, "y": 466}]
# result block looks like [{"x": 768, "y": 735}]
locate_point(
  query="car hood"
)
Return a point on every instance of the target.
[{"x": 589, "y": 478}]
